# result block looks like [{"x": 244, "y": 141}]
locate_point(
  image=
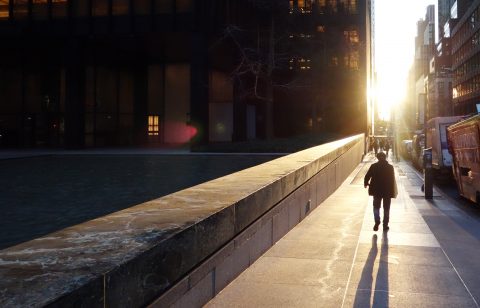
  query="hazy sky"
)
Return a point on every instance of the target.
[{"x": 395, "y": 27}]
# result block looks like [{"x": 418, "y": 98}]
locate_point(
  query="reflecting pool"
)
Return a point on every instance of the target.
[{"x": 40, "y": 195}]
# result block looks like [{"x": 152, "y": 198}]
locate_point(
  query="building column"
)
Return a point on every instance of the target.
[
  {"x": 74, "y": 96},
  {"x": 140, "y": 104},
  {"x": 239, "y": 112},
  {"x": 199, "y": 76}
]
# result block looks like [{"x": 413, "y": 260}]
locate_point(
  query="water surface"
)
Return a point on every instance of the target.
[{"x": 40, "y": 195}]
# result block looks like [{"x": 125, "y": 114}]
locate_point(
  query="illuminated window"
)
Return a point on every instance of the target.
[
  {"x": 3, "y": 9},
  {"x": 352, "y": 6},
  {"x": 332, "y": 5},
  {"x": 334, "y": 61},
  {"x": 300, "y": 64},
  {"x": 321, "y": 6},
  {"x": 351, "y": 36},
  {"x": 304, "y": 6},
  {"x": 321, "y": 29},
  {"x": 352, "y": 60},
  {"x": 153, "y": 127}
]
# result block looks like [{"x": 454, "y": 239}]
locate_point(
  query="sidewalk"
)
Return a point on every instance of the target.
[{"x": 334, "y": 259}]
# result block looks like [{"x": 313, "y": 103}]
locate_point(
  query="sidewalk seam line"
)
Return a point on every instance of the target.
[{"x": 354, "y": 256}]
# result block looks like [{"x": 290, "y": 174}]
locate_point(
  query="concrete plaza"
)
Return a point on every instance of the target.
[{"x": 333, "y": 258}]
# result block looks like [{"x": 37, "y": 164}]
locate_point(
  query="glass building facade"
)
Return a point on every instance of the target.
[
  {"x": 466, "y": 61},
  {"x": 93, "y": 73}
]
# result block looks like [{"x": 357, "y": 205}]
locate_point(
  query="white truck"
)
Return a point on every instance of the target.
[{"x": 437, "y": 140}]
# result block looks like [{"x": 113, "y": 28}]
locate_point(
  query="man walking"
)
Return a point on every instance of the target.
[{"x": 381, "y": 181}]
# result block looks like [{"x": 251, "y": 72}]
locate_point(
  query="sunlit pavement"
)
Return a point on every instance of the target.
[{"x": 333, "y": 258}]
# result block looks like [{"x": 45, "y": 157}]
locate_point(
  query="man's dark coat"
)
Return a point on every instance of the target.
[{"x": 382, "y": 182}]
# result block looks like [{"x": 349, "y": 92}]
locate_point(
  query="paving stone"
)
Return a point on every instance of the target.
[
  {"x": 406, "y": 255},
  {"x": 253, "y": 294},
  {"x": 408, "y": 266},
  {"x": 368, "y": 298}
]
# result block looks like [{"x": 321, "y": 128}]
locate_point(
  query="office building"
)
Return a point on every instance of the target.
[{"x": 151, "y": 72}]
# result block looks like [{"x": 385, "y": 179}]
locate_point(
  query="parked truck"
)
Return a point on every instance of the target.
[
  {"x": 464, "y": 145},
  {"x": 437, "y": 140}
]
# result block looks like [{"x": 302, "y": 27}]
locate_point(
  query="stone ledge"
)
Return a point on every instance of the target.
[{"x": 131, "y": 257}]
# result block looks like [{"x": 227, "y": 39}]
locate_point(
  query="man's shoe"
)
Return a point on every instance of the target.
[
  {"x": 385, "y": 228},
  {"x": 375, "y": 228}
]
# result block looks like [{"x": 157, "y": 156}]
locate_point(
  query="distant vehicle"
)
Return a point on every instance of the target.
[
  {"x": 406, "y": 149},
  {"x": 418, "y": 144},
  {"x": 437, "y": 140},
  {"x": 464, "y": 145}
]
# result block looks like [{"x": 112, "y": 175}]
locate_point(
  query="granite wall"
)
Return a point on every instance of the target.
[{"x": 180, "y": 249}]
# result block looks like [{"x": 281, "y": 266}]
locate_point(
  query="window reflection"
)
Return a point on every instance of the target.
[
  {"x": 120, "y": 7},
  {"x": 59, "y": 8},
  {"x": 351, "y": 37},
  {"x": 163, "y": 6},
  {"x": 40, "y": 9},
  {"x": 300, "y": 64},
  {"x": 352, "y": 60},
  {"x": 184, "y": 6},
  {"x": 100, "y": 8},
  {"x": 80, "y": 8},
  {"x": 336, "y": 6},
  {"x": 304, "y": 6},
  {"x": 142, "y": 7},
  {"x": 20, "y": 9},
  {"x": 3, "y": 9}
]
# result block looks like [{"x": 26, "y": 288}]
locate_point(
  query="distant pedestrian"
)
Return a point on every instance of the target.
[
  {"x": 382, "y": 186},
  {"x": 387, "y": 146},
  {"x": 375, "y": 145}
]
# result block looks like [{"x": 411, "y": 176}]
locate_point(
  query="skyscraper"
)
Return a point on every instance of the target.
[{"x": 149, "y": 72}]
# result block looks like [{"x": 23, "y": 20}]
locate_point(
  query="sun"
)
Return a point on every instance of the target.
[{"x": 390, "y": 91}]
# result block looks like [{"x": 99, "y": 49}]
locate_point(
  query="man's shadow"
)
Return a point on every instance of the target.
[{"x": 366, "y": 288}]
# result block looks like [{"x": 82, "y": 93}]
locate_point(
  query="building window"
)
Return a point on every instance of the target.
[
  {"x": 334, "y": 61},
  {"x": 352, "y": 60},
  {"x": 184, "y": 6},
  {"x": 304, "y": 6},
  {"x": 40, "y": 9},
  {"x": 120, "y": 7},
  {"x": 141, "y": 7},
  {"x": 100, "y": 8},
  {"x": 20, "y": 9},
  {"x": 351, "y": 36},
  {"x": 153, "y": 127},
  {"x": 352, "y": 6},
  {"x": 59, "y": 8},
  {"x": 3, "y": 9},
  {"x": 300, "y": 63}
]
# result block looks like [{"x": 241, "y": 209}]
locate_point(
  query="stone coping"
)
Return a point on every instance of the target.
[{"x": 130, "y": 257}]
